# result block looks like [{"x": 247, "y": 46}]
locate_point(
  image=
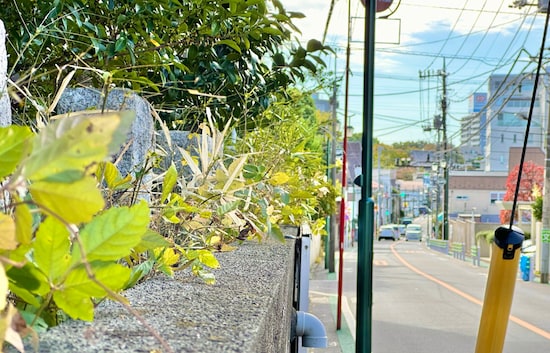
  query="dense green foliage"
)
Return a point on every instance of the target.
[
  {"x": 73, "y": 230},
  {"x": 232, "y": 56}
]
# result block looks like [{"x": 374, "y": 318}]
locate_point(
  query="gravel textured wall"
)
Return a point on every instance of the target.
[{"x": 248, "y": 310}]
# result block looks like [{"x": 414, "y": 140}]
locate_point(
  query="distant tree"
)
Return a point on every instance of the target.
[{"x": 532, "y": 178}]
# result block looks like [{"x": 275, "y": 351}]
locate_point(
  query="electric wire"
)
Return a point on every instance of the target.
[{"x": 529, "y": 118}]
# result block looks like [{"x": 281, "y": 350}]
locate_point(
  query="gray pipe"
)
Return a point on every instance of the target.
[{"x": 311, "y": 329}]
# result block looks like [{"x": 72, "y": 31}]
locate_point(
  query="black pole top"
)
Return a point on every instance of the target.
[{"x": 508, "y": 239}]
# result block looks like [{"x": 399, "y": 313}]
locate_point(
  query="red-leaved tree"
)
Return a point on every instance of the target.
[{"x": 532, "y": 174}]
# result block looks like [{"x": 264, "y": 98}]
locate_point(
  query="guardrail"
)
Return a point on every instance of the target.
[{"x": 439, "y": 245}]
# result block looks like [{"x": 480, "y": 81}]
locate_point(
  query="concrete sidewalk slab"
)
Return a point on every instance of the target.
[{"x": 322, "y": 303}]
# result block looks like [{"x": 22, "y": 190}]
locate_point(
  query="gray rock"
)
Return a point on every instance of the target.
[
  {"x": 140, "y": 136},
  {"x": 5, "y": 105}
]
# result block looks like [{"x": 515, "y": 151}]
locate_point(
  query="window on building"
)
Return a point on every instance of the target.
[
  {"x": 515, "y": 138},
  {"x": 496, "y": 196},
  {"x": 502, "y": 138}
]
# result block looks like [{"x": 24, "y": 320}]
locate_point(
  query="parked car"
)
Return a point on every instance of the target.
[
  {"x": 413, "y": 232},
  {"x": 387, "y": 232}
]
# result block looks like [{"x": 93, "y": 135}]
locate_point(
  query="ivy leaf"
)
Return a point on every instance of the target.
[
  {"x": 8, "y": 237},
  {"x": 73, "y": 143},
  {"x": 77, "y": 291},
  {"x": 112, "y": 235},
  {"x": 51, "y": 248},
  {"x": 170, "y": 180},
  {"x": 76, "y": 202},
  {"x": 14, "y": 143}
]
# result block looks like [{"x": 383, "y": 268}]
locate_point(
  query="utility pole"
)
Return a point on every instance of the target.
[
  {"x": 545, "y": 248},
  {"x": 445, "y": 163}
]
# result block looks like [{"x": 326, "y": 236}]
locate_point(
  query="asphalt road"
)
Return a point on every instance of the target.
[{"x": 428, "y": 302}]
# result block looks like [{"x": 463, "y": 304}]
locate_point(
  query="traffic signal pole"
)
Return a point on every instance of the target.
[{"x": 363, "y": 342}]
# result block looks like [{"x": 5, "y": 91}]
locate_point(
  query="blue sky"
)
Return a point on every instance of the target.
[{"x": 476, "y": 38}]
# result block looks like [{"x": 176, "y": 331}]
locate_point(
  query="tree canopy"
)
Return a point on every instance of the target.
[
  {"x": 532, "y": 179},
  {"x": 231, "y": 56}
]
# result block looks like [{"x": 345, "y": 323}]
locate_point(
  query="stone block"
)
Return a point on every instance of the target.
[
  {"x": 5, "y": 105},
  {"x": 140, "y": 136}
]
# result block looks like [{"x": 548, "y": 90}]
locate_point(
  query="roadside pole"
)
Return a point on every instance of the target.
[{"x": 363, "y": 342}]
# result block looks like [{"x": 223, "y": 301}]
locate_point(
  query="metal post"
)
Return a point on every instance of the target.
[
  {"x": 342, "y": 223},
  {"x": 333, "y": 223},
  {"x": 366, "y": 206}
]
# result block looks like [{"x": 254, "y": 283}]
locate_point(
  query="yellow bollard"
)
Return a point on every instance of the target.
[{"x": 500, "y": 290}]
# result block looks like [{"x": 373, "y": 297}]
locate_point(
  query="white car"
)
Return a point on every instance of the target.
[
  {"x": 413, "y": 232},
  {"x": 387, "y": 232}
]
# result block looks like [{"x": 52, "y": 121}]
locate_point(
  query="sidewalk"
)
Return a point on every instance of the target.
[{"x": 322, "y": 303}]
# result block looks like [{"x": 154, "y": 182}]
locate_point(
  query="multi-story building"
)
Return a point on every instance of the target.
[
  {"x": 508, "y": 105},
  {"x": 473, "y": 131}
]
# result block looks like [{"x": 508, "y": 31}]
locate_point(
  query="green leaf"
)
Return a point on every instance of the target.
[
  {"x": 277, "y": 233},
  {"x": 51, "y": 248},
  {"x": 75, "y": 304},
  {"x": 14, "y": 144},
  {"x": 314, "y": 45},
  {"x": 110, "y": 173},
  {"x": 76, "y": 202},
  {"x": 151, "y": 240},
  {"x": 140, "y": 271},
  {"x": 112, "y": 235},
  {"x": 230, "y": 43},
  {"x": 29, "y": 278},
  {"x": 73, "y": 143},
  {"x": 170, "y": 180},
  {"x": 120, "y": 44},
  {"x": 76, "y": 293}
]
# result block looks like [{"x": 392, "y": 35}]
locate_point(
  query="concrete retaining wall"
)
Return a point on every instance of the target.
[{"x": 248, "y": 310}]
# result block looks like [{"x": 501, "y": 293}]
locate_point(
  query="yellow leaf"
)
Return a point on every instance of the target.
[
  {"x": 279, "y": 178},
  {"x": 8, "y": 238},
  {"x": 226, "y": 248},
  {"x": 23, "y": 222},
  {"x": 208, "y": 259},
  {"x": 76, "y": 202}
]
